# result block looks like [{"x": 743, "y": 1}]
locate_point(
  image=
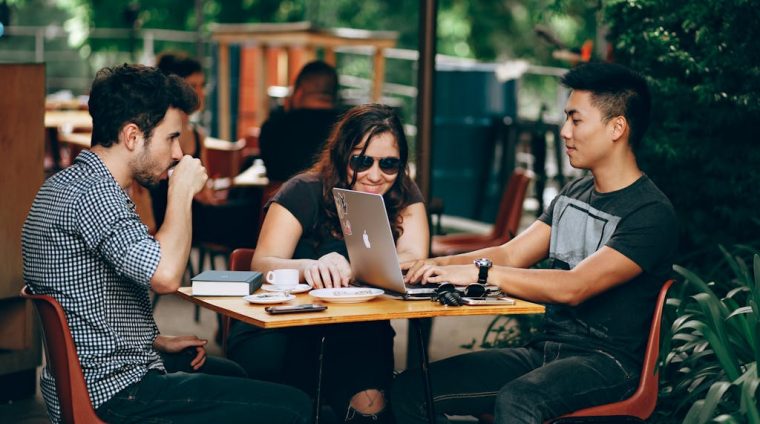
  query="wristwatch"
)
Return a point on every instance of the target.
[{"x": 483, "y": 264}]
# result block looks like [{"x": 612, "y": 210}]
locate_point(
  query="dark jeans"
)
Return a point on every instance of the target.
[
  {"x": 182, "y": 397},
  {"x": 521, "y": 385},
  {"x": 358, "y": 356}
]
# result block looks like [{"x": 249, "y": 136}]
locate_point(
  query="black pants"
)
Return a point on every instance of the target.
[
  {"x": 199, "y": 397},
  {"x": 358, "y": 356},
  {"x": 521, "y": 385}
]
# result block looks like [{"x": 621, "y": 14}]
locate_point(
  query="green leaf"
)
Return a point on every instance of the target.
[
  {"x": 737, "y": 267},
  {"x": 749, "y": 383},
  {"x": 691, "y": 277},
  {"x": 711, "y": 401},
  {"x": 692, "y": 417},
  {"x": 741, "y": 310}
]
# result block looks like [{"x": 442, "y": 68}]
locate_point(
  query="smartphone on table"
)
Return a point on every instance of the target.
[
  {"x": 479, "y": 301},
  {"x": 292, "y": 309}
]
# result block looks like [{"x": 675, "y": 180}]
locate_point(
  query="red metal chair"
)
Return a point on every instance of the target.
[
  {"x": 240, "y": 260},
  {"x": 63, "y": 362},
  {"x": 505, "y": 227},
  {"x": 642, "y": 403}
]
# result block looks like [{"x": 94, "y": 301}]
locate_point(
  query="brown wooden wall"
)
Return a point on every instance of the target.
[{"x": 22, "y": 108}]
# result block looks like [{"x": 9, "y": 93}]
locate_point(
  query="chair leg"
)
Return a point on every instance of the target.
[
  {"x": 201, "y": 260},
  {"x": 318, "y": 394}
]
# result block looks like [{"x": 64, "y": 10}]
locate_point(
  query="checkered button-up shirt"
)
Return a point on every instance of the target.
[{"x": 84, "y": 244}]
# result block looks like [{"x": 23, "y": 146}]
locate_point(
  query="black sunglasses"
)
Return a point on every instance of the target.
[
  {"x": 361, "y": 163},
  {"x": 448, "y": 294},
  {"x": 471, "y": 290}
]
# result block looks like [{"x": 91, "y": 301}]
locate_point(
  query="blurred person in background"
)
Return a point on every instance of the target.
[{"x": 290, "y": 140}]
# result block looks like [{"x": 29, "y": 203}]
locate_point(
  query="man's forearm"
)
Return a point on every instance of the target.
[
  {"x": 175, "y": 236},
  {"x": 496, "y": 254}
]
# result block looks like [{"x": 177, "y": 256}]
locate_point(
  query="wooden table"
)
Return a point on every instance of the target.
[
  {"x": 378, "y": 309},
  {"x": 381, "y": 308},
  {"x": 254, "y": 176},
  {"x": 69, "y": 119},
  {"x": 78, "y": 140},
  {"x": 62, "y": 123}
]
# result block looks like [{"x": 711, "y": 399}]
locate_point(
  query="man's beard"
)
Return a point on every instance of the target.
[
  {"x": 145, "y": 179},
  {"x": 143, "y": 171}
]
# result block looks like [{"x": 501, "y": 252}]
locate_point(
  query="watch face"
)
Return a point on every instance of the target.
[{"x": 483, "y": 262}]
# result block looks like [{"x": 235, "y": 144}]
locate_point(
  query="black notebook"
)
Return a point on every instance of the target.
[{"x": 226, "y": 283}]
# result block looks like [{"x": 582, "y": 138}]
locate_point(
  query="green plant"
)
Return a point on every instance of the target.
[
  {"x": 700, "y": 60},
  {"x": 507, "y": 331},
  {"x": 712, "y": 349}
]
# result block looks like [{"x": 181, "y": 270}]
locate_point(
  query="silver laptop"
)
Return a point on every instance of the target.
[{"x": 370, "y": 244}]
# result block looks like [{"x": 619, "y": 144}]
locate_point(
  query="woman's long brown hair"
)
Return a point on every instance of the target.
[{"x": 369, "y": 120}]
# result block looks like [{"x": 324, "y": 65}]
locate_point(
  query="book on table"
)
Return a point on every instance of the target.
[{"x": 226, "y": 283}]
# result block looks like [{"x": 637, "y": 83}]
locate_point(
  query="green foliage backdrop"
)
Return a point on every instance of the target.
[{"x": 704, "y": 66}]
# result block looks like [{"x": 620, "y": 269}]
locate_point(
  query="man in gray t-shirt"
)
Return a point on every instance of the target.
[{"x": 611, "y": 238}]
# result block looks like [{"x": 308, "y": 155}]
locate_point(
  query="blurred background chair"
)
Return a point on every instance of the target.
[
  {"x": 505, "y": 227},
  {"x": 62, "y": 361}
]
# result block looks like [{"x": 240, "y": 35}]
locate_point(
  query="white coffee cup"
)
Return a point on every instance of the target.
[{"x": 283, "y": 278}]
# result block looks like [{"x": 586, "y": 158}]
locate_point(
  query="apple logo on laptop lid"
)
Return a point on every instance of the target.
[{"x": 365, "y": 237}]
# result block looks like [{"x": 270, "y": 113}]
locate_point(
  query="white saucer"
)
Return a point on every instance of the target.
[
  {"x": 346, "y": 294},
  {"x": 296, "y": 289},
  {"x": 268, "y": 298}
]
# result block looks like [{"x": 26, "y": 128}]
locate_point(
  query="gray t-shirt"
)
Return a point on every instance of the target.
[{"x": 637, "y": 221}]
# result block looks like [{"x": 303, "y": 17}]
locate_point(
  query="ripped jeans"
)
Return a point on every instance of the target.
[{"x": 518, "y": 385}]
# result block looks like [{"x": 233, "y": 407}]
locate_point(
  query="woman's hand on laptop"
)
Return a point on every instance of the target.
[{"x": 330, "y": 271}]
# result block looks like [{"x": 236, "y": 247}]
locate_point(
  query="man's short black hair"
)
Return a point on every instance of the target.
[
  {"x": 318, "y": 78},
  {"x": 137, "y": 94},
  {"x": 616, "y": 91}
]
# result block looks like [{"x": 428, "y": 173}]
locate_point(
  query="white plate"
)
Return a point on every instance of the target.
[
  {"x": 268, "y": 298},
  {"x": 298, "y": 289},
  {"x": 346, "y": 294}
]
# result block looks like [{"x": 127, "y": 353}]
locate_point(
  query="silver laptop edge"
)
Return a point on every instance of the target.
[{"x": 370, "y": 244}]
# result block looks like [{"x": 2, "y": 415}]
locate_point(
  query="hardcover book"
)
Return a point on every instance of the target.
[{"x": 226, "y": 283}]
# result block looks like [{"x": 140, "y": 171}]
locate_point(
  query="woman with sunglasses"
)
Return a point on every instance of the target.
[{"x": 367, "y": 151}]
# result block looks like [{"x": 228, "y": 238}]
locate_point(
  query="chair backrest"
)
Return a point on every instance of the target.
[
  {"x": 63, "y": 362},
  {"x": 511, "y": 206},
  {"x": 642, "y": 403},
  {"x": 240, "y": 259}
]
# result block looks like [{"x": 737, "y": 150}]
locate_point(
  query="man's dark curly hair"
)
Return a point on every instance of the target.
[
  {"x": 616, "y": 91},
  {"x": 364, "y": 121},
  {"x": 137, "y": 94}
]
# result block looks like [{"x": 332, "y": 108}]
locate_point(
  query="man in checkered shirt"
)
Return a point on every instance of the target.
[{"x": 84, "y": 244}]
